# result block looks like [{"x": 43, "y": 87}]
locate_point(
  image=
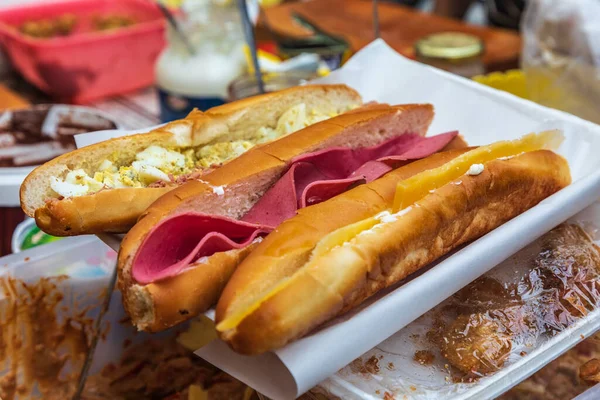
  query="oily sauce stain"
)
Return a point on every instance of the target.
[
  {"x": 38, "y": 349},
  {"x": 371, "y": 366},
  {"x": 424, "y": 357},
  {"x": 42, "y": 353}
]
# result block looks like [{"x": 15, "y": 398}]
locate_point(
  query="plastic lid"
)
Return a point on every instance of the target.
[{"x": 449, "y": 45}]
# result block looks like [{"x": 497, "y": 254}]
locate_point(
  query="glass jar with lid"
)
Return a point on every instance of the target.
[
  {"x": 455, "y": 52},
  {"x": 246, "y": 85},
  {"x": 199, "y": 77}
]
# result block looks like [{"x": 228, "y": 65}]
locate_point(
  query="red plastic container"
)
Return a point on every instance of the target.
[{"x": 86, "y": 64}]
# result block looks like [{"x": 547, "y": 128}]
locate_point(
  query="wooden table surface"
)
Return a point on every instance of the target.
[
  {"x": 400, "y": 27},
  {"x": 10, "y": 217}
]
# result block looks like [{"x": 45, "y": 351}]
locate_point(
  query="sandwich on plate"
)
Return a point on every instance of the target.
[{"x": 174, "y": 263}]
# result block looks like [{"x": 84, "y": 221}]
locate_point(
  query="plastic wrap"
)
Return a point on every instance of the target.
[
  {"x": 46, "y": 316},
  {"x": 497, "y": 317},
  {"x": 590, "y": 394},
  {"x": 561, "y": 55},
  {"x": 561, "y": 378}
]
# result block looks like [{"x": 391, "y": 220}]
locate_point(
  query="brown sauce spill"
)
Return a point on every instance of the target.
[
  {"x": 371, "y": 366},
  {"x": 38, "y": 350},
  {"x": 563, "y": 378},
  {"x": 483, "y": 322},
  {"x": 159, "y": 369},
  {"x": 42, "y": 355},
  {"x": 424, "y": 357},
  {"x": 388, "y": 396}
]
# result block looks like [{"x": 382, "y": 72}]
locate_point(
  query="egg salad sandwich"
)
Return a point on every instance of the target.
[
  {"x": 103, "y": 188},
  {"x": 174, "y": 263},
  {"x": 332, "y": 256}
]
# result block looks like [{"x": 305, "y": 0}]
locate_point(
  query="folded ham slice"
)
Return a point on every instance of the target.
[
  {"x": 319, "y": 176},
  {"x": 183, "y": 239}
]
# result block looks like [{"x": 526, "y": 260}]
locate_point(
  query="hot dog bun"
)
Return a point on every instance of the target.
[
  {"x": 116, "y": 209},
  {"x": 161, "y": 304},
  {"x": 334, "y": 255}
]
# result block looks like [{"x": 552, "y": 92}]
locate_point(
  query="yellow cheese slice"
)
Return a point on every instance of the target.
[
  {"x": 342, "y": 235},
  {"x": 331, "y": 240},
  {"x": 418, "y": 186},
  {"x": 235, "y": 319},
  {"x": 248, "y": 392},
  {"x": 200, "y": 332},
  {"x": 195, "y": 392}
]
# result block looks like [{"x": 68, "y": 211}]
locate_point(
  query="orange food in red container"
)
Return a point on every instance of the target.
[{"x": 81, "y": 50}]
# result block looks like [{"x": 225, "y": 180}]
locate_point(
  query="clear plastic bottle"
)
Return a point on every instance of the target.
[{"x": 200, "y": 80}]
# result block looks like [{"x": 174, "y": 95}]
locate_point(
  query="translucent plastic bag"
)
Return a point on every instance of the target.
[{"x": 561, "y": 55}]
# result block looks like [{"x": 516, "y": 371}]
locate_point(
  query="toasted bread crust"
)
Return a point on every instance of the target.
[
  {"x": 346, "y": 275},
  {"x": 161, "y": 305},
  {"x": 108, "y": 211}
]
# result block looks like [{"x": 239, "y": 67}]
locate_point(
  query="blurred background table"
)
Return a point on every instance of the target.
[
  {"x": 400, "y": 26},
  {"x": 10, "y": 217},
  {"x": 133, "y": 110},
  {"x": 352, "y": 20}
]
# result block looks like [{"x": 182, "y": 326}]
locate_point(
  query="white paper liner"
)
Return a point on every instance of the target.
[{"x": 483, "y": 115}]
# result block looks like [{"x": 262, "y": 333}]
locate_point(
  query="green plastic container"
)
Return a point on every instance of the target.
[{"x": 28, "y": 235}]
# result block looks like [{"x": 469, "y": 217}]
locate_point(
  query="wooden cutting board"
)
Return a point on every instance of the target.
[{"x": 400, "y": 26}]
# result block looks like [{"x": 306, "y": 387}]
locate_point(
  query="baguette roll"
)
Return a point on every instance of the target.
[
  {"x": 231, "y": 191},
  {"x": 315, "y": 267},
  {"x": 104, "y": 187}
]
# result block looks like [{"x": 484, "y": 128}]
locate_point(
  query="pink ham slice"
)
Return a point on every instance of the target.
[
  {"x": 318, "y": 176},
  {"x": 181, "y": 240}
]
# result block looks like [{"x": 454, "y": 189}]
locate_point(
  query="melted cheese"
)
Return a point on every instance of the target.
[
  {"x": 343, "y": 235},
  {"x": 418, "y": 186},
  {"x": 235, "y": 319}
]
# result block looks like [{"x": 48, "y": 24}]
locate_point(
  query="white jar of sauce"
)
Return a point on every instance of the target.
[{"x": 186, "y": 81}]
